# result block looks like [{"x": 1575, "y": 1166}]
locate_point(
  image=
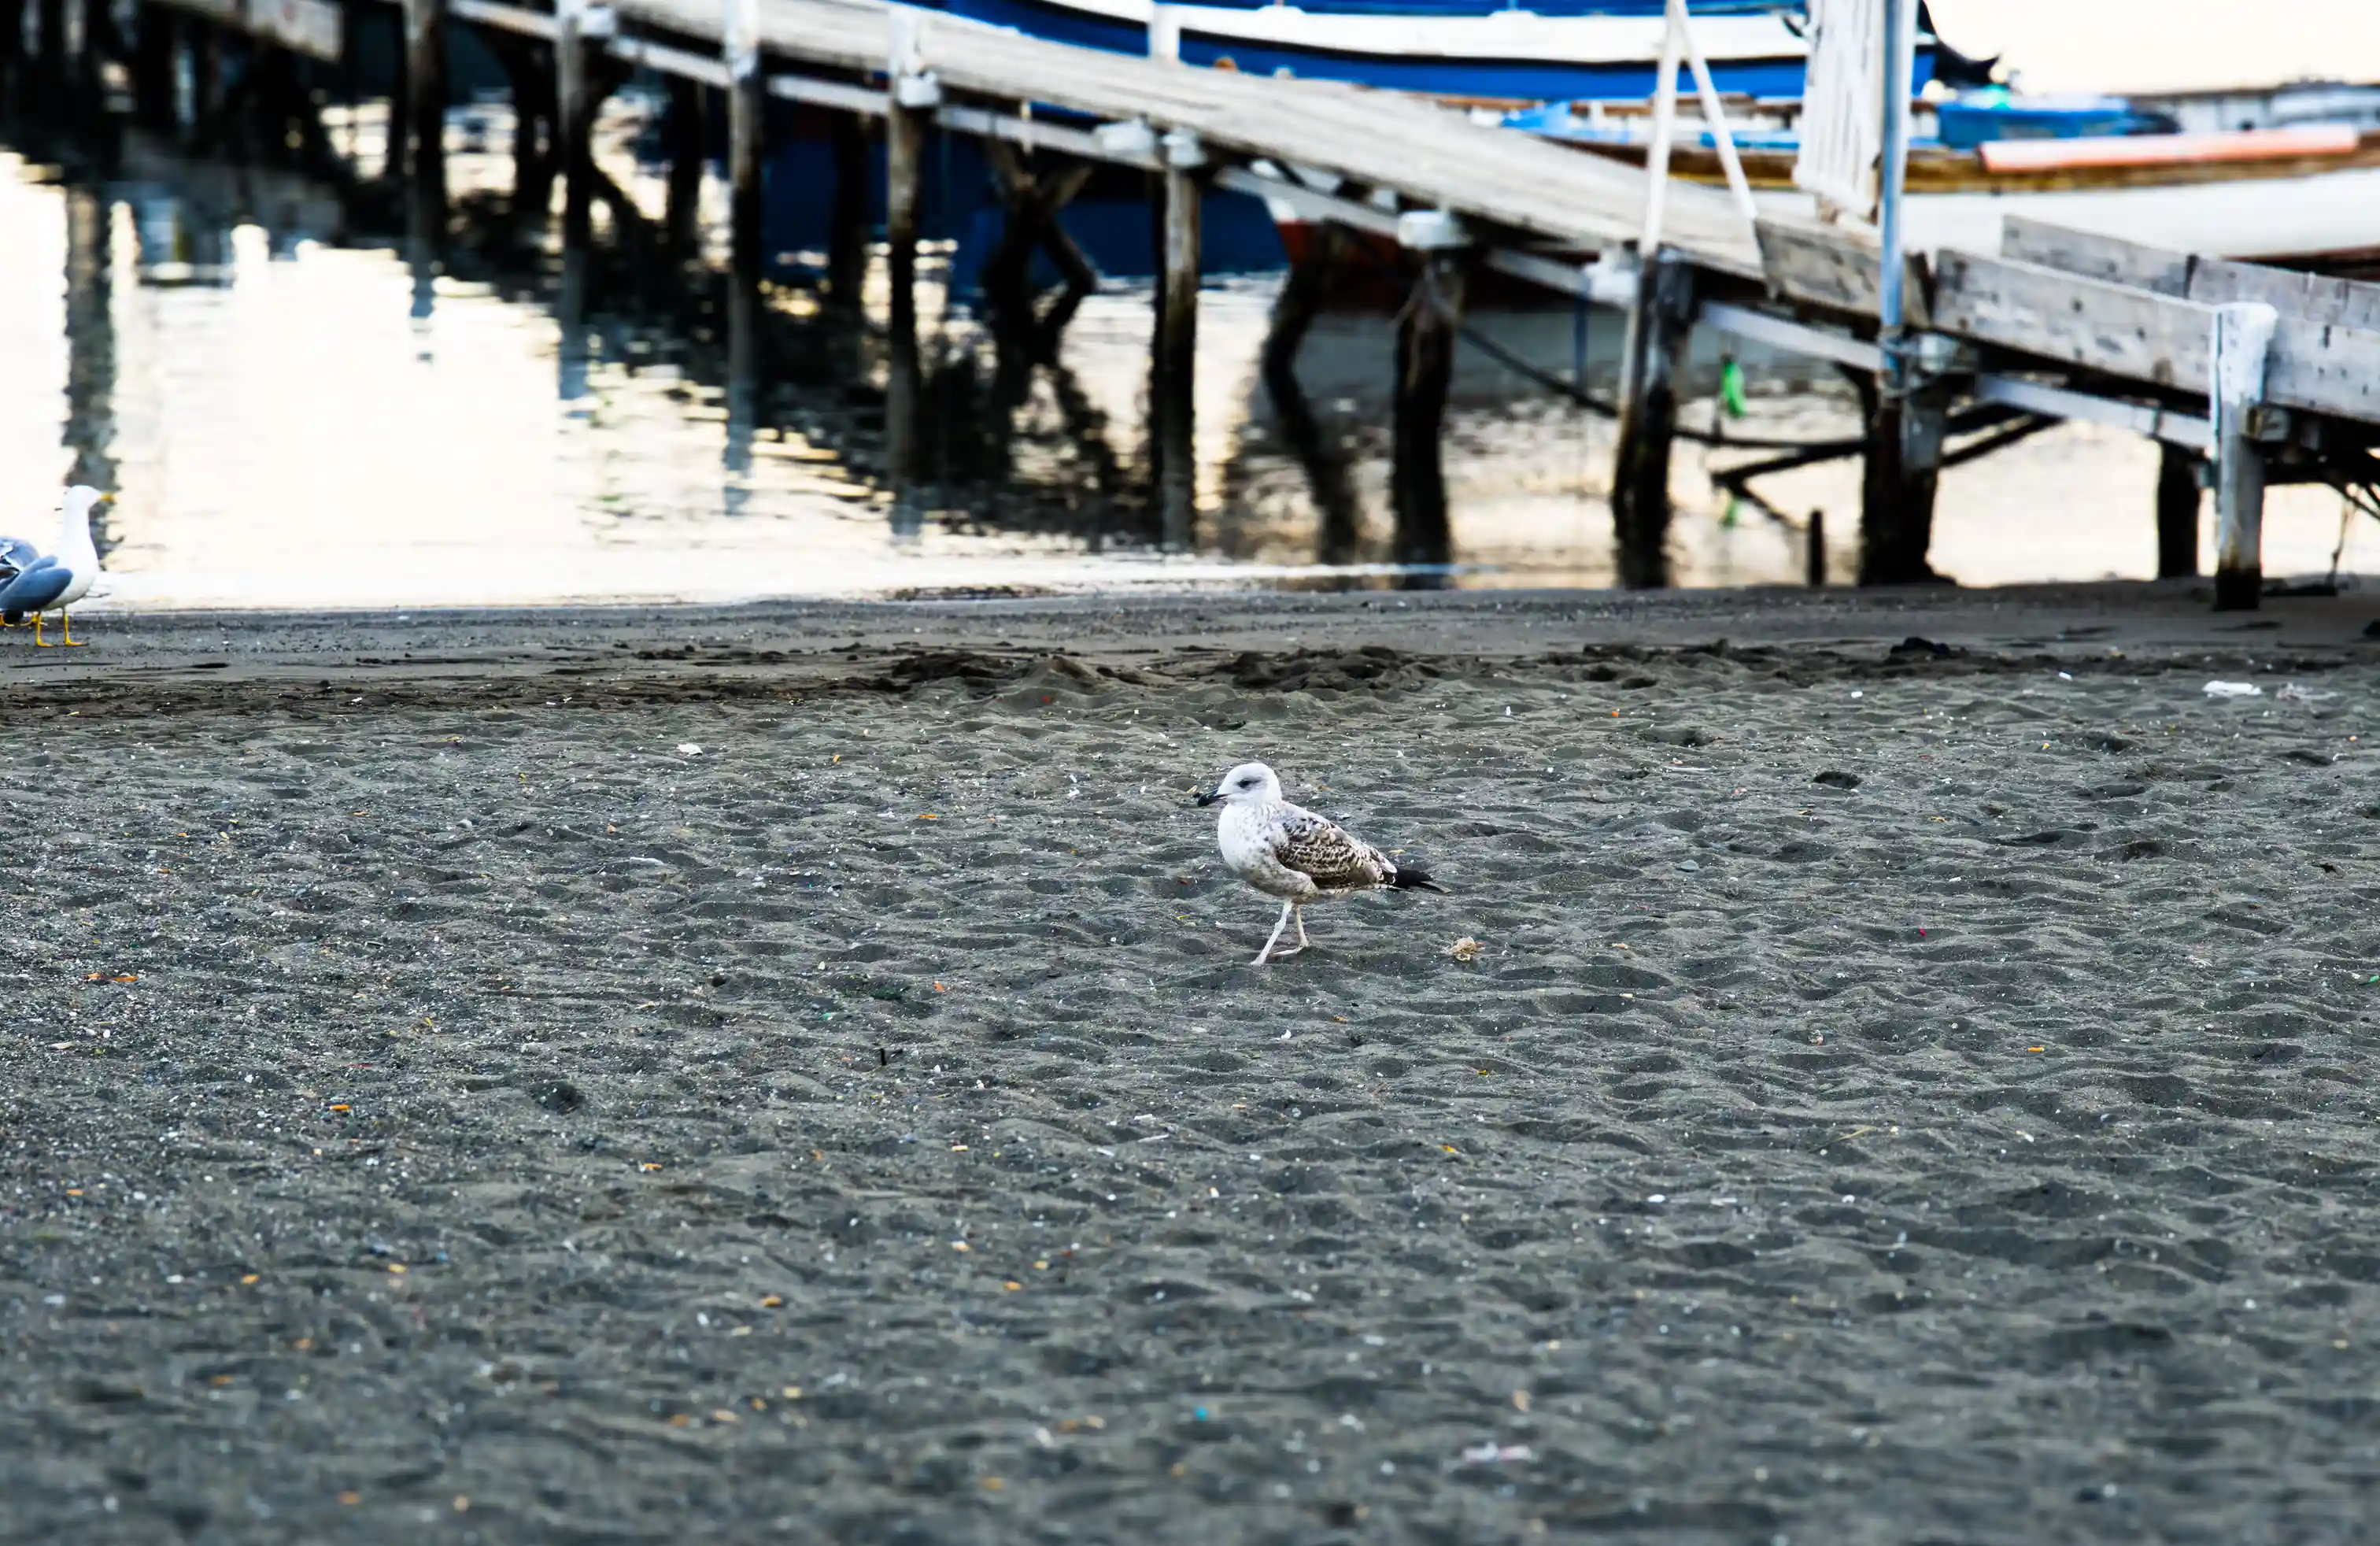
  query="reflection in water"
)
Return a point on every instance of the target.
[{"x": 300, "y": 406}]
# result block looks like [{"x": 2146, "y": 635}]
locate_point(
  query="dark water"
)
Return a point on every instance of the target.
[{"x": 298, "y": 408}]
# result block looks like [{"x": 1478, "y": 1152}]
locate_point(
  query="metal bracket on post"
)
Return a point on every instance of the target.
[
  {"x": 1130, "y": 140},
  {"x": 1431, "y": 231},
  {"x": 1183, "y": 151}
]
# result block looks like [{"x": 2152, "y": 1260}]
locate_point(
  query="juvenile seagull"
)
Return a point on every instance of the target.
[
  {"x": 56, "y": 579},
  {"x": 1295, "y": 855}
]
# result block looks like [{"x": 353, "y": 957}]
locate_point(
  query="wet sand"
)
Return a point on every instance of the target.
[{"x": 1912, "y": 1094}]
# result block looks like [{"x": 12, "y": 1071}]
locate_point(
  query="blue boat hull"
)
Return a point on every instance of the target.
[
  {"x": 1486, "y": 78},
  {"x": 1110, "y": 220}
]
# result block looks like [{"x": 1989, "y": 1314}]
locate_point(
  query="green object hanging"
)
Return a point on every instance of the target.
[{"x": 1730, "y": 390}]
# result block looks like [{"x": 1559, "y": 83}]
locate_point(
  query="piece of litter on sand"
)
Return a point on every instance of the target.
[
  {"x": 2293, "y": 693},
  {"x": 1496, "y": 1455},
  {"x": 687, "y": 749},
  {"x": 2233, "y": 689},
  {"x": 1464, "y": 949}
]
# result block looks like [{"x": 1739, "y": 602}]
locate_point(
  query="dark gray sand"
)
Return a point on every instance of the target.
[{"x": 1896, "y": 1097}]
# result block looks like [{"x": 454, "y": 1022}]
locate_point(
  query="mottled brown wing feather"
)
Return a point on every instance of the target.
[{"x": 1333, "y": 858}]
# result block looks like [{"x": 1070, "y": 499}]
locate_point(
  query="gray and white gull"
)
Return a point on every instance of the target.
[
  {"x": 32, "y": 582},
  {"x": 1289, "y": 852}
]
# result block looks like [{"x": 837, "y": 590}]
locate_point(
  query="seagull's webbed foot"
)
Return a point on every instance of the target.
[
  {"x": 73, "y": 643},
  {"x": 37, "y": 634}
]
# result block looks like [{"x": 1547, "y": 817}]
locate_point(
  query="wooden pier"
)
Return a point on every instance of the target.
[{"x": 2246, "y": 375}]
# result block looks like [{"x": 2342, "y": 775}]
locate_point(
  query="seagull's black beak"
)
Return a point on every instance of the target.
[{"x": 1206, "y": 797}]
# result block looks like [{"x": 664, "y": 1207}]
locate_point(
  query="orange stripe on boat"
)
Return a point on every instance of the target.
[{"x": 2169, "y": 150}]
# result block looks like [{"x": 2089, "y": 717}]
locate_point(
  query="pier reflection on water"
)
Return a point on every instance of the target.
[{"x": 298, "y": 409}]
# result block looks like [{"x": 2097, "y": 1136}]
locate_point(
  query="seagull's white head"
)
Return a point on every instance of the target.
[
  {"x": 76, "y": 503},
  {"x": 1249, "y": 783}
]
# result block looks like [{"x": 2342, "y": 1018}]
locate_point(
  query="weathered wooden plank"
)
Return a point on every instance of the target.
[
  {"x": 2208, "y": 281},
  {"x": 2113, "y": 328},
  {"x": 1436, "y": 157},
  {"x": 2090, "y": 255},
  {"x": 2324, "y": 368},
  {"x": 1823, "y": 266},
  {"x": 2311, "y": 296}
]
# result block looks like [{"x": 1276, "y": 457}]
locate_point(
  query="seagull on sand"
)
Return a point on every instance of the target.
[
  {"x": 1293, "y": 854},
  {"x": 55, "y": 580}
]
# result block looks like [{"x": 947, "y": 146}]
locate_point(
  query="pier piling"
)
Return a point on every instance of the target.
[
  {"x": 2243, "y": 336},
  {"x": 682, "y": 215},
  {"x": 153, "y": 64},
  {"x": 1173, "y": 379},
  {"x": 848, "y": 226},
  {"x": 1651, "y": 359},
  {"x": 746, "y": 134},
  {"x": 909, "y": 111},
  {"x": 1901, "y": 471},
  {"x": 574, "y": 113},
  {"x": 2177, "y": 493},
  {"x": 1426, "y": 336},
  {"x": 423, "y": 131}
]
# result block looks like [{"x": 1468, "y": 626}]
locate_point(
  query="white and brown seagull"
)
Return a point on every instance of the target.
[{"x": 1290, "y": 853}]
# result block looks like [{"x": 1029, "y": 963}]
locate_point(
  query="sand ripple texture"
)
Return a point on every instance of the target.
[{"x": 1894, "y": 1099}]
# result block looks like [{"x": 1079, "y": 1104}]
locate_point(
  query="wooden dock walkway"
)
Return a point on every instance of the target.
[{"x": 2247, "y": 375}]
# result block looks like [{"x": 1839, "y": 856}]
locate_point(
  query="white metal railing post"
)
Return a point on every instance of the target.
[
  {"x": 1664, "y": 124},
  {"x": 1715, "y": 113},
  {"x": 1900, "y": 44}
]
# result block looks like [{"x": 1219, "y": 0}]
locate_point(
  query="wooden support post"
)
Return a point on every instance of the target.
[
  {"x": 573, "y": 114},
  {"x": 1651, "y": 359},
  {"x": 688, "y": 151},
  {"x": 91, "y": 38},
  {"x": 52, "y": 57},
  {"x": 1425, "y": 372},
  {"x": 846, "y": 241},
  {"x": 204, "y": 40},
  {"x": 1902, "y": 467},
  {"x": 535, "y": 115},
  {"x": 913, "y": 95},
  {"x": 2244, "y": 336},
  {"x": 2177, "y": 511},
  {"x": 1813, "y": 550},
  {"x": 424, "y": 124},
  {"x": 153, "y": 64},
  {"x": 1173, "y": 419},
  {"x": 747, "y": 134}
]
